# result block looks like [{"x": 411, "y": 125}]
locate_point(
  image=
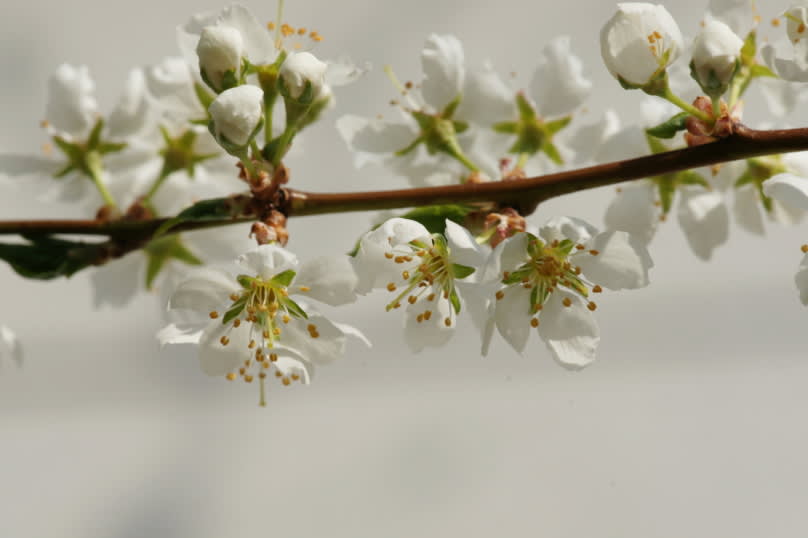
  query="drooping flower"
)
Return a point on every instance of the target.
[
  {"x": 300, "y": 70},
  {"x": 547, "y": 282},
  {"x": 220, "y": 50},
  {"x": 237, "y": 114},
  {"x": 245, "y": 325},
  {"x": 429, "y": 274},
  {"x": 639, "y": 42}
]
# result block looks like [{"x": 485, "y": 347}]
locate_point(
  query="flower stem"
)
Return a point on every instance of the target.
[
  {"x": 687, "y": 107},
  {"x": 95, "y": 169}
]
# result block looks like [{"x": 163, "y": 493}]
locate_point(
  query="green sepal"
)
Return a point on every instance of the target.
[
  {"x": 518, "y": 275},
  {"x": 235, "y": 310},
  {"x": 666, "y": 186},
  {"x": 46, "y": 258},
  {"x": 506, "y": 127},
  {"x": 461, "y": 271},
  {"x": 454, "y": 298},
  {"x": 285, "y": 278},
  {"x": 161, "y": 250},
  {"x": 749, "y": 49},
  {"x": 760, "y": 70},
  {"x": 689, "y": 177},
  {"x": 565, "y": 247},
  {"x": 549, "y": 149},
  {"x": 294, "y": 309},
  {"x": 669, "y": 127},
  {"x": 534, "y": 299},
  {"x": 212, "y": 209},
  {"x": 245, "y": 281},
  {"x": 655, "y": 144}
]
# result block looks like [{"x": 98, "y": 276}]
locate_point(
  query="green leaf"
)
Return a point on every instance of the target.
[
  {"x": 455, "y": 300},
  {"x": 285, "y": 278},
  {"x": 212, "y": 209},
  {"x": 669, "y": 127},
  {"x": 461, "y": 271},
  {"x": 45, "y": 258}
]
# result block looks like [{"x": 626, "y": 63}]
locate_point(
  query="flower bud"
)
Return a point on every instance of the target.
[
  {"x": 220, "y": 50},
  {"x": 716, "y": 51},
  {"x": 236, "y": 114},
  {"x": 639, "y": 42},
  {"x": 301, "y": 71}
]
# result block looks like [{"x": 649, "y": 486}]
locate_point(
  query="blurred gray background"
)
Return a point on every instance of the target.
[{"x": 690, "y": 423}]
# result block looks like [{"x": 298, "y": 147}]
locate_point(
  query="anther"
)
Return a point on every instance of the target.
[
  {"x": 214, "y": 314},
  {"x": 236, "y": 322},
  {"x": 534, "y": 322},
  {"x": 580, "y": 247},
  {"x": 252, "y": 344},
  {"x": 286, "y": 318},
  {"x": 278, "y": 374},
  {"x": 578, "y": 270},
  {"x": 248, "y": 378},
  {"x": 234, "y": 297},
  {"x": 430, "y": 297},
  {"x": 285, "y": 381},
  {"x": 591, "y": 306},
  {"x": 391, "y": 287},
  {"x": 804, "y": 249},
  {"x": 419, "y": 318},
  {"x": 231, "y": 376},
  {"x": 411, "y": 299},
  {"x": 447, "y": 322},
  {"x": 273, "y": 357},
  {"x": 388, "y": 255},
  {"x": 262, "y": 375},
  {"x": 597, "y": 288},
  {"x": 445, "y": 294},
  {"x": 224, "y": 340},
  {"x": 499, "y": 295},
  {"x": 242, "y": 371},
  {"x": 405, "y": 275},
  {"x": 427, "y": 314},
  {"x": 276, "y": 331},
  {"x": 567, "y": 301},
  {"x": 594, "y": 252},
  {"x": 304, "y": 288},
  {"x": 295, "y": 377},
  {"x": 265, "y": 334},
  {"x": 270, "y": 26},
  {"x": 301, "y": 31}
]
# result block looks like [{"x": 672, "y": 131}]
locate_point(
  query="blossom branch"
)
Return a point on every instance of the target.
[{"x": 524, "y": 195}]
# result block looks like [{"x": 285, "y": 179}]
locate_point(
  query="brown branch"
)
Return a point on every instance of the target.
[{"x": 524, "y": 195}]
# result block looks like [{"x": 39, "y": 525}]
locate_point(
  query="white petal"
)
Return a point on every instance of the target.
[
  {"x": 343, "y": 71},
  {"x": 12, "y": 343},
  {"x": 373, "y": 269},
  {"x": 267, "y": 261},
  {"x": 633, "y": 211},
  {"x": 217, "y": 359},
  {"x": 486, "y": 98},
  {"x": 331, "y": 280},
  {"x": 737, "y": 14},
  {"x": 788, "y": 189},
  {"x": 464, "y": 249},
  {"x": 627, "y": 143},
  {"x": 558, "y": 85},
  {"x": 71, "y": 108},
  {"x": 586, "y": 140},
  {"x": 704, "y": 219},
  {"x": 29, "y": 165},
  {"x": 511, "y": 253},
  {"x": 432, "y": 332},
  {"x": 132, "y": 113},
  {"x": 512, "y": 316},
  {"x": 207, "y": 290},
  {"x": 350, "y": 330},
  {"x": 258, "y": 42},
  {"x": 560, "y": 228},
  {"x": 570, "y": 332},
  {"x": 328, "y": 346},
  {"x": 622, "y": 261},
  {"x": 728, "y": 174},
  {"x": 442, "y": 64},
  {"x": 747, "y": 209},
  {"x": 171, "y": 334},
  {"x": 374, "y": 141},
  {"x": 801, "y": 280},
  {"x": 289, "y": 366}
]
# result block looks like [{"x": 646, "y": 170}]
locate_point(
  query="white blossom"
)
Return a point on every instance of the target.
[
  {"x": 640, "y": 41},
  {"x": 246, "y": 325},
  {"x": 301, "y": 69},
  {"x": 220, "y": 50},
  {"x": 547, "y": 283},
  {"x": 430, "y": 274},
  {"x": 716, "y": 52},
  {"x": 237, "y": 113}
]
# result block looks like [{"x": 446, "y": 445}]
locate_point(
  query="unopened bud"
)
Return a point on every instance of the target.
[
  {"x": 220, "y": 50},
  {"x": 301, "y": 71},
  {"x": 716, "y": 53},
  {"x": 237, "y": 114}
]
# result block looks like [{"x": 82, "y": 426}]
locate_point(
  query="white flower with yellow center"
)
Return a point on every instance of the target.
[
  {"x": 547, "y": 284},
  {"x": 425, "y": 272},
  {"x": 259, "y": 323}
]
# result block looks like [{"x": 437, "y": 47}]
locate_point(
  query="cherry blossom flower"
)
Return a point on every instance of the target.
[
  {"x": 430, "y": 274},
  {"x": 639, "y": 42},
  {"x": 716, "y": 53},
  {"x": 245, "y": 325},
  {"x": 640, "y": 205},
  {"x": 237, "y": 114},
  {"x": 547, "y": 282}
]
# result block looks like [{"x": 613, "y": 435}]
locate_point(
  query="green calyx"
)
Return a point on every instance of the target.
[
  {"x": 667, "y": 184},
  {"x": 85, "y": 157},
  {"x": 178, "y": 152},
  {"x": 533, "y": 134},
  {"x": 162, "y": 250},
  {"x": 758, "y": 170}
]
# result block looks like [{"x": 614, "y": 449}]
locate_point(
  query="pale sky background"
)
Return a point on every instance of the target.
[{"x": 690, "y": 424}]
